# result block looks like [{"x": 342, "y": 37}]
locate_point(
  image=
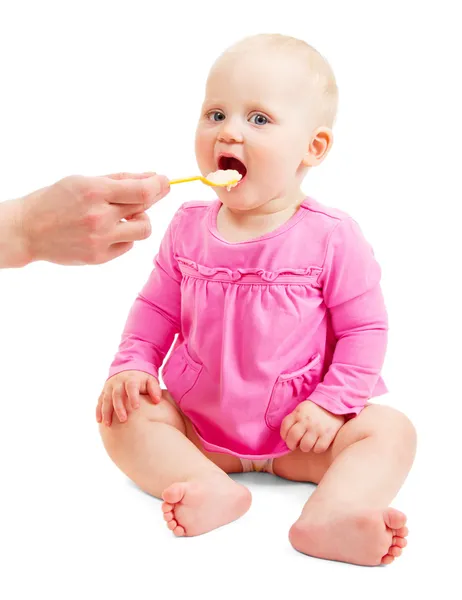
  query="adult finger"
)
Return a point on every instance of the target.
[
  {"x": 138, "y": 191},
  {"x": 126, "y": 211},
  {"x": 137, "y": 228},
  {"x": 308, "y": 441},
  {"x": 119, "y": 176},
  {"x": 118, "y": 401},
  {"x": 132, "y": 389},
  {"x": 295, "y": 434},
  {"x": 116, "y": 250}
]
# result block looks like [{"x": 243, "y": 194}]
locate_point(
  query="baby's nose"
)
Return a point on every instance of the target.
[{"x": 230, "y": 132}]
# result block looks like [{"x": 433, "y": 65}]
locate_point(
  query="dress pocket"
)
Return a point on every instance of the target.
[
  {"x": 290, "y": 389},
  {"x": 180, "y": 373}
]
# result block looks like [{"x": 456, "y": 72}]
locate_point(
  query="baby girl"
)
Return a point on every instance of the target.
[{"x": 273, "y": 306}]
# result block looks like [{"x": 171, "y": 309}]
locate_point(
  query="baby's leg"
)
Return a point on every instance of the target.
[
  {"x": 347, "y": 517},
  {"x": 152, "y": 449}
]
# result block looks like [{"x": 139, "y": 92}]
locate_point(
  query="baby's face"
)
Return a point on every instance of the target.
[{"x": 256, "y": 119}]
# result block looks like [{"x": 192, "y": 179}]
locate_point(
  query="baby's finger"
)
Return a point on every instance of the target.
[
  {"x": 295, "y": 434},
  {"x": 118, "y": 402},
  {"x": 108, "y": 409},
  {"x": 154, "y": 391},
  {"x": 133, "y": 393},
  {"x": 308, "y": 441},
  {"x": 323, "y": 443},
  {"x": 99, "y": 413},
  {"x": 287, "y": 424}
]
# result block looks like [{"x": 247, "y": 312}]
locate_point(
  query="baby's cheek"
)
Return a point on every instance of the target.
[
  {"x": 204, "y": 152},
  {"x": 273, "y": 171}
]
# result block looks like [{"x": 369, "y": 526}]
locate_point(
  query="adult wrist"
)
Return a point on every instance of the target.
[{"x": 15, "y": 250}]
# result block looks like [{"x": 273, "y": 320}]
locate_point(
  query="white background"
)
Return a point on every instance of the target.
[{"x": 99, "y": 87}]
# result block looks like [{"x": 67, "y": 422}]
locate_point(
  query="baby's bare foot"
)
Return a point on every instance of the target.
[
  {"x": 364, "y": 537},
  {"x": 195, "y": 507}
]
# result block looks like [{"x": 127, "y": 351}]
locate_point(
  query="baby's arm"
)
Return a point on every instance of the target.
[
  {"x": 154, "y": 318},
  {"x": 351, "y": 289}
]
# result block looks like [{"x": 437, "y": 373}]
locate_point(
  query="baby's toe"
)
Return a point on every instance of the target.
[
  {"x": 175, "y": 493},
  {"x": 394, "y": 519},
  {"x": 167, "y": 507},
  {"x": 179, "y": 531},
  {"x": 399, "y": 541},
  {"x": 168, "y": 516},
  {"x": 172, "y": 524},
  {"x": 403, "y": 532}
]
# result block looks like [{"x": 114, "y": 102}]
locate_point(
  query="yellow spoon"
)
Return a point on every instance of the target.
[
  {"x": 204, "y": 180},
  {"x": 228, "y": 178}
]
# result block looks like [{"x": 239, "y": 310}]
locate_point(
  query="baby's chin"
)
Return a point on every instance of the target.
[
  {"x": 245, "y": 201},
  {"x": 238, "y": 201}
]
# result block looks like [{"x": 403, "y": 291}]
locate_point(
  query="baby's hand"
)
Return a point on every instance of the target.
[
  {"x": 310, "y": 427},
  {"x": 122, "y": 391}
]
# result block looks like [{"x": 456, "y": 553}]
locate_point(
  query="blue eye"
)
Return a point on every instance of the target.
[
  {"x": 216, "y": 116},
  {"x": 259, "y": 119}
]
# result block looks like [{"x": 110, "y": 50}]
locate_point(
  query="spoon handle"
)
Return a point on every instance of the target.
[{"x": 172, "y": 181}]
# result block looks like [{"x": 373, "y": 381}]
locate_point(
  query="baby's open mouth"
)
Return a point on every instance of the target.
[{"x": 230, "y": 162}]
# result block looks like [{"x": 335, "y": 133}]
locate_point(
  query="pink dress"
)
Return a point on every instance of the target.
[{"x": 261, "y": 325}]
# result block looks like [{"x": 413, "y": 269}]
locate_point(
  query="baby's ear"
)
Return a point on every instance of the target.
[{"x": 319, "y": 147}]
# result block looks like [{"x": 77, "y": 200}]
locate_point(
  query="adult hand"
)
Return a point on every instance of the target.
[{"x": 81, "y": 220}]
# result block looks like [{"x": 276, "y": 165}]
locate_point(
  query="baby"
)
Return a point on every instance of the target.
[{"x": 281, "y": 329}]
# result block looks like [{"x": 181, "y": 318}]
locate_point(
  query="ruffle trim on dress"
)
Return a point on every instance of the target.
[{"x": 189, "y": 267}]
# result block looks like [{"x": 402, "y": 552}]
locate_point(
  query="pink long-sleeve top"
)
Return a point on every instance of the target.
[{"x": 262, "y": 325}]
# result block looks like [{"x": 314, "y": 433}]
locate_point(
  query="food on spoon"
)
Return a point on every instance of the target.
[{"x": 228, "y": 178}]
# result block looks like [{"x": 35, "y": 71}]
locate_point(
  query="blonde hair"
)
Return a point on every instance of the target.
[{"x": 322, "y": 80}]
